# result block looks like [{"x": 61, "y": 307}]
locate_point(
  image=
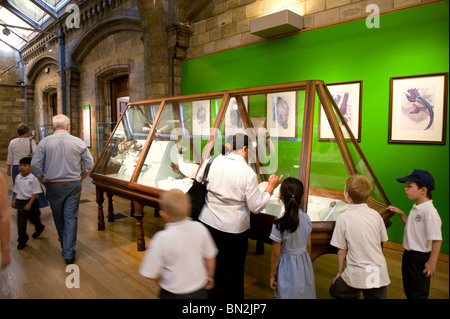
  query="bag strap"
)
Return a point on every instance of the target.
[{"x": 205, "y": 174}]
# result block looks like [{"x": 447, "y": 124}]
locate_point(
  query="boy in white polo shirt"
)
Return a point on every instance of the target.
[
  {"x": 358, "y": 236},
  {"x": 182, "y": 257},
  {"x": 422, "y": 237},
  {"x": 26, "y": 189}
]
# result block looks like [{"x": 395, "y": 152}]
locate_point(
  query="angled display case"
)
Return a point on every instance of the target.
[{"x": 159, "y": 145}]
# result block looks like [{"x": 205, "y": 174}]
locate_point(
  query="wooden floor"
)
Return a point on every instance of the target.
[{"x": 108, "y": 261}]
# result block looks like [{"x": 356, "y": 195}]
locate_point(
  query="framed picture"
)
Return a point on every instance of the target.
[
  {"x": 417, "y": 111},
  {"x": 201, "y": 117},
  {"x": 233, "y": 120},
  {"x": 282, "y": 114},
  {"x": 347, "y": 96}
]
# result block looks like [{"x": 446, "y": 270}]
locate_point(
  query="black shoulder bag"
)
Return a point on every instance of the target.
[{"x": 198, "y": 191}]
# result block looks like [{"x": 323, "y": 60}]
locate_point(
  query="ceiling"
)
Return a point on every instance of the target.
[{"x": 29, "y": 17}]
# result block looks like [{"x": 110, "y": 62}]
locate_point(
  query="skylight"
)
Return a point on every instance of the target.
[
  {"x": 29, "y": 9},
  {"x": 29, "y": 14},
  {"x": 17, "y": 38}
]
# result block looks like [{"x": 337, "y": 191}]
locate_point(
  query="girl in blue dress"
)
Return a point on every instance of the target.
[{"x": 291, "y": 271}]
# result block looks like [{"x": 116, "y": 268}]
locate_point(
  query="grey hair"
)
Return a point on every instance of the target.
[{"x": 60, "y": 120}]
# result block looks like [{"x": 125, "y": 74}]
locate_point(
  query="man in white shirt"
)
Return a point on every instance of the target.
[{"x": 232, "y": 194}]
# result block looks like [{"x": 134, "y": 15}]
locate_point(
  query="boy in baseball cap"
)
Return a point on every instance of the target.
[{"x": 422, "y": 236}]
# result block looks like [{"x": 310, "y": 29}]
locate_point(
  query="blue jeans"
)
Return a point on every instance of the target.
[{"x": 64, "y": 201}]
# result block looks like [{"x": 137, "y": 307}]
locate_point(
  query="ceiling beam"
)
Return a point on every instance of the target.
[
  {"x": 45, "y": 7},
  {"x": 29, "y": 29},
  {"x": 10, "y": 47},
  {"x": 20, "y": 15}
]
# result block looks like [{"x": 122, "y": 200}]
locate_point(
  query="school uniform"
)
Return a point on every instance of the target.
[
  {"x": 295, "y": 274},
  {"x": 24, "y": 188},
  {"x": 19, "y": 148},
  {"x": 360, "y": 231},
  {"x": 422, "y": 227},
  {"x": 175, "y": 257}
]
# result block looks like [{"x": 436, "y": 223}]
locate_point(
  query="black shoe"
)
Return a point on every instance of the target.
[
  {"x": 69, "y": 260},
  {"x": 21, "y": 246},
  {"x": 38, "y": 232}
]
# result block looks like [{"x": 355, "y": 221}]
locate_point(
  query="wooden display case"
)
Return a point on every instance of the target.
[{"x": 159, "y": 144}]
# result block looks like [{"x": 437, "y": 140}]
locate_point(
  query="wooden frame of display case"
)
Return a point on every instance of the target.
[{"x": 143, "y": 195}]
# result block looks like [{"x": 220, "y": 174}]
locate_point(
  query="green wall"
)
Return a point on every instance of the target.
[{"x": 409, "y": 42}]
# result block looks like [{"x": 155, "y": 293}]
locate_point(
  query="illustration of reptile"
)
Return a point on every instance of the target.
[{"x": 414, "y": 96}]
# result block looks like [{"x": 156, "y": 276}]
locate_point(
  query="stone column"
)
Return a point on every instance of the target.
[{"x": 178, "y": 38}]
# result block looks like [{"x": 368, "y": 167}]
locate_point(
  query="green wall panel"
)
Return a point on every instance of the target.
[{"x": 409, "y": 42}]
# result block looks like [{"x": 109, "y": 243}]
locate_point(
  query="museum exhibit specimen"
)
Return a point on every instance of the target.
[{"x": 296, "y": 129}]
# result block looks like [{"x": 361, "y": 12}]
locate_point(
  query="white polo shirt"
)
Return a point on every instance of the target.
[
  {"x": 360, "y": 230},
  {"x": 26, "y": 186},
  {"x": 232, "y": 194},
  {"x": 422, "y": 227},
  {"x": 175, "y": 256}
]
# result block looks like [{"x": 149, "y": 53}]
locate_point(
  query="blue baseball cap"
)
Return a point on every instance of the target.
[{"x": 419, "y": 176}]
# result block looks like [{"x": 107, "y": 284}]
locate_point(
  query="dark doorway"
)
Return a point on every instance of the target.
[{"x": 119, "y": 96}]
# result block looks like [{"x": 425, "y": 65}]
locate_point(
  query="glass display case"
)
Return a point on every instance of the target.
[
  {"x": 160, "y": 144},
  {"x": 45, "y": 130},
  {"x": 104, "y": 130}
]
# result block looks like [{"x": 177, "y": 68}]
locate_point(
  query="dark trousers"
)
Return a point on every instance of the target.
[
  {"x": 199, "y": 294},
  {"x": 230, "y": 264},
  {"x": 415, "y": 284},
  {"x": 23, "y": 215},
  {"x": 341, "y": 290}
]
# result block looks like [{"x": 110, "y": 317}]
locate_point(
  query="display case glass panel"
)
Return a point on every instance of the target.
[
  {"x": 172, "y": 159},
  {"x": 104, "y": 130},
  {"x": 274, "y": 122},
  {"x": 124, "y": 147},
  {"x": 160, "y": 144},
  {"x": 45, "y": 130}
]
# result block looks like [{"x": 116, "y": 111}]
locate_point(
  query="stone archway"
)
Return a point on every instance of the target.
[
  {"x": 38, "y": 91},
  {"x": 103, "y": 87},
  {"x": 39, "y": 65}
]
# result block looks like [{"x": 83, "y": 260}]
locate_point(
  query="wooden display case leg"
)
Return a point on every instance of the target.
[
  {"x": 139, "y": 215},
  {"x": 101, "y": 216},
  {"x": 259, "y": 247},
  {"x": 111, "y": 217},
  {"x": 132, "y": 209}
]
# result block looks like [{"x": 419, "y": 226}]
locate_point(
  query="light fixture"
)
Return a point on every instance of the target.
[
  {"x": 7, "y": 32},
  {"x": 275, "y": 24}
]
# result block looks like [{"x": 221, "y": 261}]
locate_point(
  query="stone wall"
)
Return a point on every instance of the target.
[
  {"x": 118, "y": 54},
  {"x": 225, "y": 24},
  {"x": 12, "y": 98}
]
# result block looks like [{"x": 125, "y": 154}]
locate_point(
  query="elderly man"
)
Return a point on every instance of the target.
[{"x": 61, "y": 162}]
